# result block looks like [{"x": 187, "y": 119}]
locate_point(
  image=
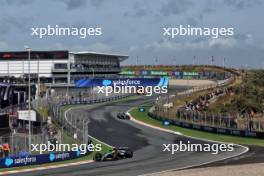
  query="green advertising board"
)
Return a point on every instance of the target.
[{"x": 159, "y": 73}]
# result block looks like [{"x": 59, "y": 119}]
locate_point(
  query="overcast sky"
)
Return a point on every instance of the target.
[{"x": 134, "y": 28}]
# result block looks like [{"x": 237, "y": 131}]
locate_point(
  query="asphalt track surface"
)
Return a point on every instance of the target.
[{"x": 147, "y": 144}]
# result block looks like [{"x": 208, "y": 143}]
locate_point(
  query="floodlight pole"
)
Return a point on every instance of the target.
[
  {"x": 92, "y": 82},
  {"x": 29, "y": 99},
  {"x": 38, "y": 93}
]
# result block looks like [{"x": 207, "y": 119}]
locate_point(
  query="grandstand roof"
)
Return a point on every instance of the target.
[
  {"x": 61, "y": 54},
  {"x": 120, "y": 56}
]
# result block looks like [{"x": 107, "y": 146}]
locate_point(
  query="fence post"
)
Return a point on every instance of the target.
[
  {"x": 229, "y": 122},
  {"x": 213, "y": 120},
  {"x": 205, "y": 115},
  {"x": 180, "y": 115},
  {"x": 259, "y": 124}
]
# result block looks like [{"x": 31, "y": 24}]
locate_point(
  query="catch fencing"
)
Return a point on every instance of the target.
[
  {"x": 241, "y": 124},
  {"x": 75, "y": 125}
]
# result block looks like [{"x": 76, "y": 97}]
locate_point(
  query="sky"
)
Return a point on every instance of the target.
[{"x": 135, "y": 28}]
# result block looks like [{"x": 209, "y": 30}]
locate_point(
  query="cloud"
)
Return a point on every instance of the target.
[
  {"x": 11, "y": 23},
  {"x": 101, "y": 47},
  {"x": 96, "y": 47},
  {"x": 74, "y": 4},
  {"x": 242, "y": 4},
  {"x": 97, "y": 3},
  {"x": 132, "y": 48},
  {"x": 3, "y": 45},
  {"x": 201, "y": 44},
  {"x": 139, "y": 10},
  {"x": 59, "y": 46},
  {"x": 244, "y": 38},
  {"x": 16, "y": 2},
  {"x": 172, "y": 7},
  {"x": 222, "y": 42}
]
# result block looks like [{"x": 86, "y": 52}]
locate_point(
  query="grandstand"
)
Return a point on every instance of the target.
[
  {"x": 55, "y": 72},
  {"x": 58, "y": 67}
]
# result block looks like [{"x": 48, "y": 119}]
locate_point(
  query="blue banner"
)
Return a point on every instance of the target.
[
  {"x": 37, "y": 159},
  {"x": 123, "y": 82}
]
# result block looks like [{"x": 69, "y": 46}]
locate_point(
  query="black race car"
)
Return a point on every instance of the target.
[
  {"x": 123, "y": 116},
  {"x": 115, "y": 154}
]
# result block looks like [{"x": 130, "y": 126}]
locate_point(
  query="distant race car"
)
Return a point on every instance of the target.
[
  {"x": 115, "y": 154},
  {"x": 123, "y": 116}
]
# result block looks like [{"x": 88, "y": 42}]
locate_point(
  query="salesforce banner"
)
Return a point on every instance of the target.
[
  {"x": 37, "y": 159},
  {"x": 123, "y": 82}
]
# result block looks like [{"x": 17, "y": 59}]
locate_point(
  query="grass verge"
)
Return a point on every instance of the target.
[{"x": 144, "y": 117}]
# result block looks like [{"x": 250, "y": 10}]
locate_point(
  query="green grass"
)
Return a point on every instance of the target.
[{"x": 144, "y": 117}]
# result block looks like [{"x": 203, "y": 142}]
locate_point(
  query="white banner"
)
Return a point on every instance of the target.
[{"x": 24, "y": 115}]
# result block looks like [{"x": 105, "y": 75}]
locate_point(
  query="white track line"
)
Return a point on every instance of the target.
[
  {"x": 173, "y": 132},
  {"x": 45, "y": 167}
]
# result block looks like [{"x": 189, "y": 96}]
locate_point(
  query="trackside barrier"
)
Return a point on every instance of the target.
[
  {"x": 204, "y": 121},
  {"x": 38, "y": 159},
  {"x": 212, "y": 129},
  {"x": 199, "y": 121},
  {"x": 14, "y": 161},
  {"x": 74, "y": 124}
]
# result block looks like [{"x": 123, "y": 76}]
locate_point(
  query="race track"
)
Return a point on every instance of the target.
[{"x": 145, "y": 141}]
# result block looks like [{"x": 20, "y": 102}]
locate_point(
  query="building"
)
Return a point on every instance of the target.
[
  {"x": 51, "y": 71},
  {"x": 58, "y": 67}
]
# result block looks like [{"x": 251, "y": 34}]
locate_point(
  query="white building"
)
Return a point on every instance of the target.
[{"x": 59, "y": 66}]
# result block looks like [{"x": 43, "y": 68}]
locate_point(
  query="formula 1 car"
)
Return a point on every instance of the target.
[
  {"x": 115, "y": 154},
  {"x": 123, "y": 116}
]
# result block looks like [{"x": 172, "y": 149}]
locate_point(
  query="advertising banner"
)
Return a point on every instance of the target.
[
  {"x": 127, "y": 73},
  {"x": 24, "y": 115},
  {"x": 226, "y": 131},
  {"x": 122, "y": 82},
  {"x": 37, "y": 159}
]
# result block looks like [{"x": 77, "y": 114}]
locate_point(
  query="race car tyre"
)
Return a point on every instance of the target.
[
  {"x": 129, "y": 153},
  {"x": 97, "y": 157}
]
